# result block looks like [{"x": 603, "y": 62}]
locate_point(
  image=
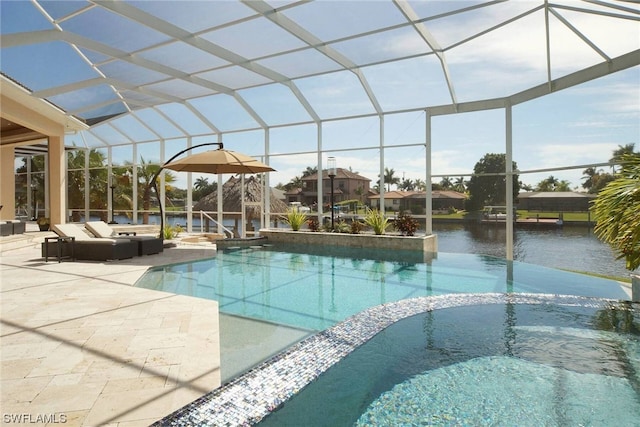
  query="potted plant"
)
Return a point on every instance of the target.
[{"x": 43, "y": 223}]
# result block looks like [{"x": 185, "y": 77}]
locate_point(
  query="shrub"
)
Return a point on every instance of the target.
[
  {"x": 376, "y": 220},
  {"x": 406, "y": 224},
  {"x": 313, "y": 224},
  {"x": 356, "y": 227},
  {"x": 295, "y": 219},
  {"x": 342, "y": 227},
  {"x": 171, "y": 232}
]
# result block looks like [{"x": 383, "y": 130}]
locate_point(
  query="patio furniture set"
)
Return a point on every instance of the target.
[{"x": 97, "y": 242}]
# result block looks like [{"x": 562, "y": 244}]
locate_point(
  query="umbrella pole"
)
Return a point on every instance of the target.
[
  {"x": 243, "y": 216},
  {"x": 155, "y": 178}
]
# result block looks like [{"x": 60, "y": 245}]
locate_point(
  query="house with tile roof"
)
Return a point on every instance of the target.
[{"x": 347, "y": 185}]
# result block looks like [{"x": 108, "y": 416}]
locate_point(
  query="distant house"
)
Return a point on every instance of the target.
[
  {"x": 347, "y": 185},
  {"x": 555, "y": 201},
  {"x": 415, "y": 201}
]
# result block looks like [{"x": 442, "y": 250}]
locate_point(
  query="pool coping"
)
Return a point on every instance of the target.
[{"x": 249, "y": 398}]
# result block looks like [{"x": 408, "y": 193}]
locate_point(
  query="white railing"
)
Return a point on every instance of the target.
[{"x": 219, "y": 226}]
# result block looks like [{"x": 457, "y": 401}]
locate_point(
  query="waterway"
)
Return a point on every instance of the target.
[{"x": 568, "y": 247}]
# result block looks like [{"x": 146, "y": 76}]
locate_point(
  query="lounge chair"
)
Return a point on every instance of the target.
[
  {"x": 87, "y": 247},
  {"x": 147, "y": 245}
]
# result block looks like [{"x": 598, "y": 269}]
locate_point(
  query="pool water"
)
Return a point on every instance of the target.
[
  {"x": 498, "y": 364},
  {"x": 315, "y": 288}
]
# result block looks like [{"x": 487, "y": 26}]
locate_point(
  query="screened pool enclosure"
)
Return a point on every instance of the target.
[{"x": 98, "y": 94}]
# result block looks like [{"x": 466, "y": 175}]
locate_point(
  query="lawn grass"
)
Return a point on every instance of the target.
[{"x": 567, "y": 216}]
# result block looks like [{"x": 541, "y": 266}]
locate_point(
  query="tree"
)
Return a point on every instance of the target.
[
  {"x": 525, "y": 187},
  {"x": 446, "y": 183},
  {"x": 146, "y": 171},
  {"x": 390, "y": 178},
  {"x": 310, "y": 171},
  {"x": 486, "y": 186},
  {"x": 407, "y": 185},
  {"x": 202, "y": 187},
  {"x": 360, "y": 193},
  {"x": 595, "y": 179},
  {"x": 623, "y": 151},
  {"x": 553, "y": 184},
  {"x": 296, "y": 182},
  {"x": 98, "y": 182},
  {"x": 459, "y": 185},
  {"x": 617, "y": 212},
  {"x": 547, "y": 184}
]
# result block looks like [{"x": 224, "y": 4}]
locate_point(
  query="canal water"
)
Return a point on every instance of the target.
[{"x": 568, "y": 247}]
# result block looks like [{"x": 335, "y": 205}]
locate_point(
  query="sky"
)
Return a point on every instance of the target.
[
  {"x": 573, "y": 127},
  {"x": 578, "y": 126}
]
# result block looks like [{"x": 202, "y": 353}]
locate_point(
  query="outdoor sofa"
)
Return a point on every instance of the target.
[
  {"x": 85, "y": 247},
  {"x": 147, "y": 245}
]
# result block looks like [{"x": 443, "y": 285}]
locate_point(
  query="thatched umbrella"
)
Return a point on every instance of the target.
[{"x": 232, "y": 199}]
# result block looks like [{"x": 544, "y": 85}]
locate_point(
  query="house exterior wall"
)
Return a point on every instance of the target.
[{"x": 346, "y": 186}]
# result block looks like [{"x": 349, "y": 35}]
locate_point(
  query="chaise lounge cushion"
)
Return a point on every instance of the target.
[
  {"x": 91, "y": 248},
  {"x": 147, "y": 245}
]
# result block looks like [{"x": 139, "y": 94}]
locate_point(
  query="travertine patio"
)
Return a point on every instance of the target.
[{"x": 81, "y": 345}]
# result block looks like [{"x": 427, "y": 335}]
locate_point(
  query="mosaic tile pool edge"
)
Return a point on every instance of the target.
[{"x": 247, "y": 399}]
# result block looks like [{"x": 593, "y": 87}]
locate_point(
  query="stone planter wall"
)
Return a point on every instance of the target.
[{"x": 386, "y": 241}]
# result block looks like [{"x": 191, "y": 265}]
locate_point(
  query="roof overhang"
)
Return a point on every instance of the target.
[{"x": 29, "y": 118}]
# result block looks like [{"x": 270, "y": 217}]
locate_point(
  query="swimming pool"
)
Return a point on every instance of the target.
[
  {"x": 314, "y": 288},
  {"x": 448, "y": 360}
]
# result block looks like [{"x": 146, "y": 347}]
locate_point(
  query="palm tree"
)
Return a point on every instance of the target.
[
  {"x": 146, "y": 172},
  {"x": 309, "y": 171},
  {"x": 460, "y": 185},
  {"x": 201, "y": 183},
  {"x": 617, "y": 212},
  {"x": 525, "y": 187},
  {"x": 446, "y": 183},
  {"x": 359, "y": 192},
  {"x": 622, "y": 151},
  {"x": 296, "y": 182},
  {"x": 547, "y": 184},
  {"x": 407, "y": 185},
  {"x": 390, "y": 178}
]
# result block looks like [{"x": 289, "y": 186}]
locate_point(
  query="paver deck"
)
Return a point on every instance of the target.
[{"x": 80, "y": 345}]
